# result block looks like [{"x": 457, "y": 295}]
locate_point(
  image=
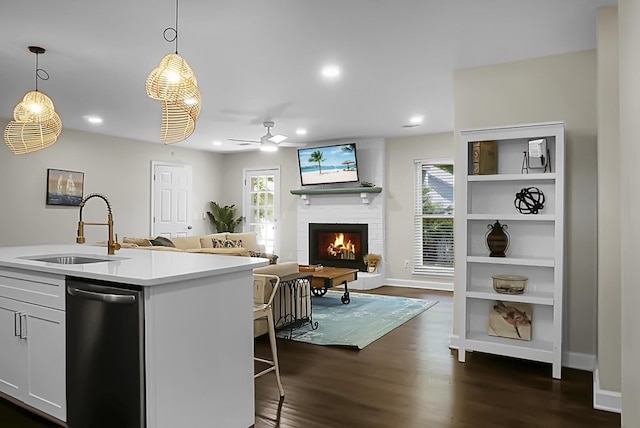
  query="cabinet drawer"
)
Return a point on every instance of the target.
[{"x": 40, "y": 289}]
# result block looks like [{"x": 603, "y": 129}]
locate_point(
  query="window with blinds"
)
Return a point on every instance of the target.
[{"x": 433, "y": 218}]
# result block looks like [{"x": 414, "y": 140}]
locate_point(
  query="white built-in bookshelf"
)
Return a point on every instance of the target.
[{"x": 536, "y": 243}]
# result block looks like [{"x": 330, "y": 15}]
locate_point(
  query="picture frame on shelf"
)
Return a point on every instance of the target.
[
  {"x": 64, "y": 187},
  {"x": 510, "y": 319}
]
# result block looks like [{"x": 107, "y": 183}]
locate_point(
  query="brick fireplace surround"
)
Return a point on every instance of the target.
[{"x": 349, "y": 208}]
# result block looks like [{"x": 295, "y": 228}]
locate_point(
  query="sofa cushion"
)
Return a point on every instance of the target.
[
  {"x": 206, "y": 240},
  {"x": 160, "y": 248},
  {"x": 282, "y": 269},
  {"x": 161, "y": 241},
  {"x": 248, "y": 239},
  {"x": 237, "y": 251},
  {"x": 140, "y": 242},
  {"x": 186, "y": 242}
]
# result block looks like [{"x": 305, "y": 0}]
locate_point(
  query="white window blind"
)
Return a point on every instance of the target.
[{"x": 433, "y": 218}]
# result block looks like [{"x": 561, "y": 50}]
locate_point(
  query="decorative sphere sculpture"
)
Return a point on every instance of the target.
[{"x": 529, "y": 200}]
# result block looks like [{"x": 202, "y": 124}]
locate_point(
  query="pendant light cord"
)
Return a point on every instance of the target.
[
  {"x": 174, "y": 30},
  {"x": 40, "y": 73}
]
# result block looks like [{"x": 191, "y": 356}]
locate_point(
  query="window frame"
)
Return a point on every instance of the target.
[{"x": 419, "y": 268}]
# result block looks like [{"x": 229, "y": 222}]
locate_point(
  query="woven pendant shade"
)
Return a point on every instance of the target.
[
  {"x": 172, "y": 80},
  {"x": 34, "y": 107},
  {"x": 35, "y": 125},
  {"x": 27, "y": 137},
  {"x": 179, "y": 119}
]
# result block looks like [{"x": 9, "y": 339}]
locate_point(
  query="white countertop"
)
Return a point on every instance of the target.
[{"x": 129, "y": 266}]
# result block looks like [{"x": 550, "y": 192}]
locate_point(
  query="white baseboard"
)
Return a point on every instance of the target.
[
  {"x": 579, "y": 361},
  {"x": 454, "y": 341},
  {"x": 609, "y": 401},
  {"x": 573, "y": 360},
  {"x": 411, "y": 283}
]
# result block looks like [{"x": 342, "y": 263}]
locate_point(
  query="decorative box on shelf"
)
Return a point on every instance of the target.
[{"x": 484, "y": 157}]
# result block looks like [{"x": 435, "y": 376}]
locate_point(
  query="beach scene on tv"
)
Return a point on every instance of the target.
[{"x": 331, "y": 164}]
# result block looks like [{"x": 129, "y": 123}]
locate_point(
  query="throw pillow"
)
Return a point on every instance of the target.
[
  {"x": 226, "y": 243},
  {"x": 161, "y": 241}
]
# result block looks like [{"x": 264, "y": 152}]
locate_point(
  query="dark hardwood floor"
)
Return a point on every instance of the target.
[{"x": 408, "y": 378}]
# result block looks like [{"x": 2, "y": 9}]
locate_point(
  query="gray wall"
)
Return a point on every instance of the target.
[
  {"x": 561, "y": 87},
  {"x": 629, "y": 39},
  {"x": 119, "y": 168},
  {"x": 400, "y": 156},
  {"x": 609, "y": 340}
]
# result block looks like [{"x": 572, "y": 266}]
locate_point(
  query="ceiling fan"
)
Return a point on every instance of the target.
[{"x": 269, "y": 142}]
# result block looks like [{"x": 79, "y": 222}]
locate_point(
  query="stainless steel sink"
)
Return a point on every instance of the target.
[{"x": 72, "y": 259}]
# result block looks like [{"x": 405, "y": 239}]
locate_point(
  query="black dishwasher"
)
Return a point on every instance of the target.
[{"x": 105, "y": 355}]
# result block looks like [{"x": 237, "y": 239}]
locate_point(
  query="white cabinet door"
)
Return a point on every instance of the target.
[
  {"x": 13, "y": 371},
  {"x": 32, "y": 356},
  {"x": 45, "y": 360}
]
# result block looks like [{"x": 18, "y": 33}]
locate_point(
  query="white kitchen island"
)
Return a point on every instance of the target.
[{"x": 198, "y": 330}]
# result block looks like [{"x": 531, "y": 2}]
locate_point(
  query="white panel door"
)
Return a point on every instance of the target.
[
  {"x": 171, "y": 190},
  {"x": 262, "y": 206}
]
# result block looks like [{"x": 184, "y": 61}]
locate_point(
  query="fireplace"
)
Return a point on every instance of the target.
[{"x": 338, "y": 244}]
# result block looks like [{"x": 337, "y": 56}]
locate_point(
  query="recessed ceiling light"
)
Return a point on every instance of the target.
[
  {"x": 93, "y": 119},
  {"x": 301, "y": 131},
  {"x": 330, "y": 71},
  {"x": 416, "y": 120},
  {"x": 217, "y": 143}
]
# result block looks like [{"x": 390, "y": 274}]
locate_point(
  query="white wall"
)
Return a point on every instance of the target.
[
  {"x": 609, "y": 343},
  {"x": 629, "y": 39},
  {"x": 119, "y": 168},
  {"x": 555, "y": 88},
  {"x": 401, "y": 154},
  {"x": 232, "y": 188}
]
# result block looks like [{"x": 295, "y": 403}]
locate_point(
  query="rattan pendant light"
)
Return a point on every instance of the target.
[
  {"x": 174, "y": 83},
  {"x": 179, "y": 119},
  {"x": 35, "y": 125}
]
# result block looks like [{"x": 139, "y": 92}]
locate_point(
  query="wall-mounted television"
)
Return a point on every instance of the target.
[{"x": 328, "y": 164}]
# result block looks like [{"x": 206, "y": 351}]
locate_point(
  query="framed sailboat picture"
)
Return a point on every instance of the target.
[{"x": 64, "y": 187}]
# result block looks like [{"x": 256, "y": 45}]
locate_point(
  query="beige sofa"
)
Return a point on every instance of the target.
[{"x": 226, "y": 243}]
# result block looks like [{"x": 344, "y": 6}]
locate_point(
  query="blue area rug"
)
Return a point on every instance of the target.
[{"x": 367, "y": 318}]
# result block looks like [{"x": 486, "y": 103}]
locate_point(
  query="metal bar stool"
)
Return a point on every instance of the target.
[{"x": 262, "y": 309}]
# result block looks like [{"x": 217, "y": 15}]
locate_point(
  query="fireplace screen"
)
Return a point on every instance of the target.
[{"x": 339, "y": 245}]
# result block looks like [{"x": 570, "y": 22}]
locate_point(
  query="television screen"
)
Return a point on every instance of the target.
[{"x": 329, "y": 164}]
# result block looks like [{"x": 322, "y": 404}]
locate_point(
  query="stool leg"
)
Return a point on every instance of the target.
[{"x": 274, "y": 350}]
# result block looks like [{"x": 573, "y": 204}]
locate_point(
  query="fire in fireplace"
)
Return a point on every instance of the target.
[{"x": 338, "y": 244}]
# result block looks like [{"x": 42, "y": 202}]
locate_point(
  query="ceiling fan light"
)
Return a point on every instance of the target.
[
  {"x": 268, "y": 148},
  {"x": 172, "y": 80}
]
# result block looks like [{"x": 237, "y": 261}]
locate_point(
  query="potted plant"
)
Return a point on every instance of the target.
[
  {"x": 223, "y": 217},
  {"x": 372, "y": 261}
]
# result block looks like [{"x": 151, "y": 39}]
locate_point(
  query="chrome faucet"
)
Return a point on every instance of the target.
[{"x": 112, "y": 246}]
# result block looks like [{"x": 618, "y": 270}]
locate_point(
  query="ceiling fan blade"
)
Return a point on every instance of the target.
[
  {"x": 292, "y": 145},
  {"x": 243, "y": 141}
]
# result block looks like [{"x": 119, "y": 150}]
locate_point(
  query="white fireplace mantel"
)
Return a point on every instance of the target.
[{"x": 363, "y": 191}]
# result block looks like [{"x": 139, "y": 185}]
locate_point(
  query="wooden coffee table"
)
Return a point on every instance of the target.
[{"x": 330, "y": 277}]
